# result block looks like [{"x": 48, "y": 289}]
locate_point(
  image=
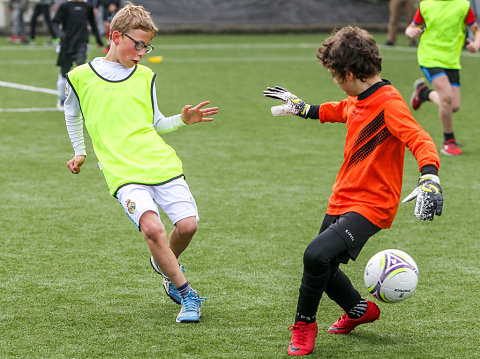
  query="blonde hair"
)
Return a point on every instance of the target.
[{"x": 132, "y": 17}]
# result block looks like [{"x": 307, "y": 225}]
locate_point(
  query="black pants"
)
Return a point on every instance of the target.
[
  {"x": 38, "y": 10},
  {"x": 340, "y": 239},
  {"x": 65, "y": 58}
]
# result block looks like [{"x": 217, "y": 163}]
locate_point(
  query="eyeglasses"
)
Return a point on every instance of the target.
[{"x": 140, "y": 45}]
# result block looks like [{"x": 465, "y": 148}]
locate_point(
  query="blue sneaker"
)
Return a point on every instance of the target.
[
  {"x": 170, "y": 289},
  {"x": 191, "y": 308}
]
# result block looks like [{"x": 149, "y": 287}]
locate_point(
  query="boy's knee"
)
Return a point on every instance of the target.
[
  {"x": 447, "y": 99},
  {"x": 186, "y": 227},
  {"x": 314, "y": 258},
  {"x": 151, "y": 227}
]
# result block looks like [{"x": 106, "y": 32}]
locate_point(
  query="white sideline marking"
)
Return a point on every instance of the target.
[
  {"x": 31, "y": 109},
  {"x": 178, "y": 60},
  {"x": 28, "y": 88},
  {"x": 26, "y": 62}
]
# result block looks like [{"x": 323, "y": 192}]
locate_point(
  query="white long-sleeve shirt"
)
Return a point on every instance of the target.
[{"x": 111, "y": 71}]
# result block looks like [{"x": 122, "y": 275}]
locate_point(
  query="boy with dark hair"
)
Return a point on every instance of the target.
[
  {"x": 367, "y": 188},
  {"x": 116, "y": 98},
  {"x": 441, "y": 24}
]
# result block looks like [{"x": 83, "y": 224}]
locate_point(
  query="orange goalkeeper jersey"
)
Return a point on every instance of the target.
[{"x": 379, "y": 126}]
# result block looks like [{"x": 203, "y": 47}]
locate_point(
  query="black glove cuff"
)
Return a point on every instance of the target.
[
  {"x": 313, "y": 112},
  {"x": 428, "y": 169}
]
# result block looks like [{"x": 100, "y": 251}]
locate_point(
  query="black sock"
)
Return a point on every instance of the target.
[
  {"x": 309, "y": 297},
  {"x": 448, "y": 136},
  {"x": 424, "y": 94},
  {"x": 358, "y": 310},
  {"x": 305, "y": 318}
]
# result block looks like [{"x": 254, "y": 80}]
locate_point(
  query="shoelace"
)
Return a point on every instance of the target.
[
  {"x": 343, "y": 317},
  {"x": 300, "y": 333},
  {"x": 191, "y": 303}
]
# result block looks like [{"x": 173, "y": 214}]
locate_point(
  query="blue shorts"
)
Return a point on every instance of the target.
[{"x": 433, "y": 72}]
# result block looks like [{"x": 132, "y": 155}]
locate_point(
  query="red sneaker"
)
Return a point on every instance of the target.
[
  {"x": 450, "y": 148},
  {"x": 415, "y": 100},
  {"x": 345, "y": 325},
  {"x": 303, "y": 338},
  {"x": 13, "y": 39}
]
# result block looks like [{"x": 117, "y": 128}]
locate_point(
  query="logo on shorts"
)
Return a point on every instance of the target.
[
  {"x": 130, "y": 207},
  {"x": 350, "y": 235}
]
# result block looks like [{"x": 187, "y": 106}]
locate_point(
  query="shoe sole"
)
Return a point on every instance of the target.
[
  {"x": 188, "y": 321},
  {"x": 449, "y": 154},
  {"x": 191, "y": 320}
]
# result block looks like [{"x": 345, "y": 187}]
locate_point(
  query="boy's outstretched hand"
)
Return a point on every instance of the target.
[
  {"x": 196, "y": 114},
  {"x": 75, "y": 163},
  {"x": 292, "y": 106}
]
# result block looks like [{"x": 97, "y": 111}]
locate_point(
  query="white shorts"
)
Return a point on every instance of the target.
[{"x": 174, "y": 198}]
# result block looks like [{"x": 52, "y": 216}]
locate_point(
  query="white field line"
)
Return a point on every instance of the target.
[
  {"x": 26, "y": 62},
  {"x": 215, "y": 59},
  {"x": 28, "y": 88},
  {"x": 31, "y": 109},
  {"x": 187, "y": 46},
  {"x": 294, "y": 45}
]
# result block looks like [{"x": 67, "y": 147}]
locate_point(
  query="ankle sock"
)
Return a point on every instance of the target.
[
  {"x": 184, "y": 289},
  {"x": 305, "y": 318},
  {"x": 358, "y": 310},
  {"x": 424, "y": 94},
  {"x": 448, "y": 136}
]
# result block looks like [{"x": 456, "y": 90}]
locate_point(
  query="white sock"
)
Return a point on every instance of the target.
[{"x": 61, "y": 84}]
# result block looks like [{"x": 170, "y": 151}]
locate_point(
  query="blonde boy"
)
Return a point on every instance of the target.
[{"x": 116, "y": 98}]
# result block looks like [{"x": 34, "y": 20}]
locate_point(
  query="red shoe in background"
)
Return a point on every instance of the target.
[{"x": 415, "y": 100}]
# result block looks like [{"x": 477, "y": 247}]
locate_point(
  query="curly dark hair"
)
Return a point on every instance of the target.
[{"x": 351, "y": 49}]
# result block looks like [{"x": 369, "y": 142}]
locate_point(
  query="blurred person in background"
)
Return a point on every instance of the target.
[
  {"x": 42, "y": 7},
  {"x": 109, "y": 9},
  {"x": 70, "y": 24},
  {"x": 17, "y": 8},
  {"x": 396, "y": 7},
  {"x": 442, "y": 27}
]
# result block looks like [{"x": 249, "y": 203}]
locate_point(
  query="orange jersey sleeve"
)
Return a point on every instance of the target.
[{"x": 379, "y": 127}]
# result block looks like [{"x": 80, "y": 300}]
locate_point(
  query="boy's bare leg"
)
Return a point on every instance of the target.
[
  {"x": 444, "y": 98},
  {"x": 182, "y": 235},
  {"x": 156, "y": 236}
]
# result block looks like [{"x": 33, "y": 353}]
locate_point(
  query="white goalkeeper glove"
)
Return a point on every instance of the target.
[
  {"x": 292, "y": 106},
  {"x": 429, "y": 197}
]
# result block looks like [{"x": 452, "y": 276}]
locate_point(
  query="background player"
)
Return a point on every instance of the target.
[
  {"x": 71, "y": 25},
  {"x": 441, "y": 25},
  {"x": 367, "y": 188}
]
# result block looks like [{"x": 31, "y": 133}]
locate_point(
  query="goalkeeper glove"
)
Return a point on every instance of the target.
[
  {"x": 429, "y": 197},
  {"x": 292, "y": 106}
]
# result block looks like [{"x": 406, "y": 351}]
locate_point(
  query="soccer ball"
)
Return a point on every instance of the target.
[{"x": 391, "y": 275}]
